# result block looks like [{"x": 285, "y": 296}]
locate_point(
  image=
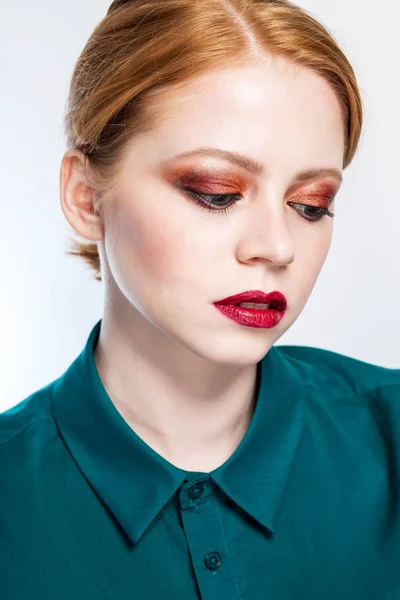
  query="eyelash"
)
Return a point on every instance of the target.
[{"x": 199, "y": 198}]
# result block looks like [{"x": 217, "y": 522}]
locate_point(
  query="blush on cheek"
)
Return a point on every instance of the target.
[
  {"x": 144, "y": 240},
  {"x": 160, "y": 251},
  {"x": 316, "y": 259}
]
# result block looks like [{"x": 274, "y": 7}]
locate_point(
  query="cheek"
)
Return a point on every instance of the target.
[
  {"x": 161, "y": 252},
  {"x": 158, "y": 246},
  {"x": 313, "y": 249}
]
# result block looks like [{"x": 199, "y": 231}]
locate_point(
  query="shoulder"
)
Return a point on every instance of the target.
[
  {"x": 29, "y": 419},
  {"x": 352, "y": 408},
  {"x": 32, "y": 462},
  {"x": 341, "y": 376}
]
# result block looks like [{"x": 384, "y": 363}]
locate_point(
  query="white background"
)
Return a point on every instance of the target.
[{"x": 49, "y": 301}]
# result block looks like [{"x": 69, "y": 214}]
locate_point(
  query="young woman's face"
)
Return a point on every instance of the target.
[{"x": 169, "y": 254}]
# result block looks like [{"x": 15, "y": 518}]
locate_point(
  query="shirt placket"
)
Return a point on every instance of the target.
[{"x": 201, "y": 514}]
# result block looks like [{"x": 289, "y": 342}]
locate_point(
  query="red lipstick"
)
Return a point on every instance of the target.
[{"x": 254, "y": 317}]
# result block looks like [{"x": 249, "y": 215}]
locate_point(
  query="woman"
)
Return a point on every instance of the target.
[{"x": 183, "y": 454}]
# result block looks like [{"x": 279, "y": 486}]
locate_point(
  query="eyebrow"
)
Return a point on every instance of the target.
[{"x": 253, "y": 166}]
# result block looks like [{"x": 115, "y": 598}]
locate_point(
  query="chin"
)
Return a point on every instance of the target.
[{"x": 231, "y": 349}]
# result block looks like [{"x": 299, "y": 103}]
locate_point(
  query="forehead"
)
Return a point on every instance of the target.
[{"x": 273, "y": 110}]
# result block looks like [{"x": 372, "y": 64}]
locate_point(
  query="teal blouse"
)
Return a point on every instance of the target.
[{"x": 307, "y": 507}]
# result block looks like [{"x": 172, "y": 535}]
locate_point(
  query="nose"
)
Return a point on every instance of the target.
[{"x": 266, "y": 236}]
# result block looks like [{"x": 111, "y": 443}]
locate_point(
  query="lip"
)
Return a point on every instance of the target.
[
  {"x": 276, "y": 299},
  {"x": 252, "y": 317}
]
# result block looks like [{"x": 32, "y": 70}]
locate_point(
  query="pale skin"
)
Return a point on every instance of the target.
[{"x": 180, "y": 373}]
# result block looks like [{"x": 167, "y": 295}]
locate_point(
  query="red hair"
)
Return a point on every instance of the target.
[{"x": 143, "y": 46}]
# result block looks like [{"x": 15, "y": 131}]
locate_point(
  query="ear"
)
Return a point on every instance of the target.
[{"x": 77, "y": 197}]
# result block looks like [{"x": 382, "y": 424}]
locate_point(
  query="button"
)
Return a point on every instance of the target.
[
  {"x": 212, "y": 560},
  {"x": 196, "y": 491}
]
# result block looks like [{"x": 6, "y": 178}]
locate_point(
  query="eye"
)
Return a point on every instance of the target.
[
  {"x": 311, "y": 213},
  {"x": 222, "y": 203},
  {"x": 217, "y": 203}
]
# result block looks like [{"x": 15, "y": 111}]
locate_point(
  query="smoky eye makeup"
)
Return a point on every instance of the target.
[
  {"x": 218, "y": 189},
  {"x": 211, "y": 180},
  {"x": 318, "y": 194},
  {"x": 221, "y": 178}
]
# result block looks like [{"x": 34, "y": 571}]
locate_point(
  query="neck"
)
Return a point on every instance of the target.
[{"x": 191, "y": 411}]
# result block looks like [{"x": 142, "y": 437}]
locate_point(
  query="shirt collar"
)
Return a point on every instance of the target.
[{"x": 135, "y": 482}]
